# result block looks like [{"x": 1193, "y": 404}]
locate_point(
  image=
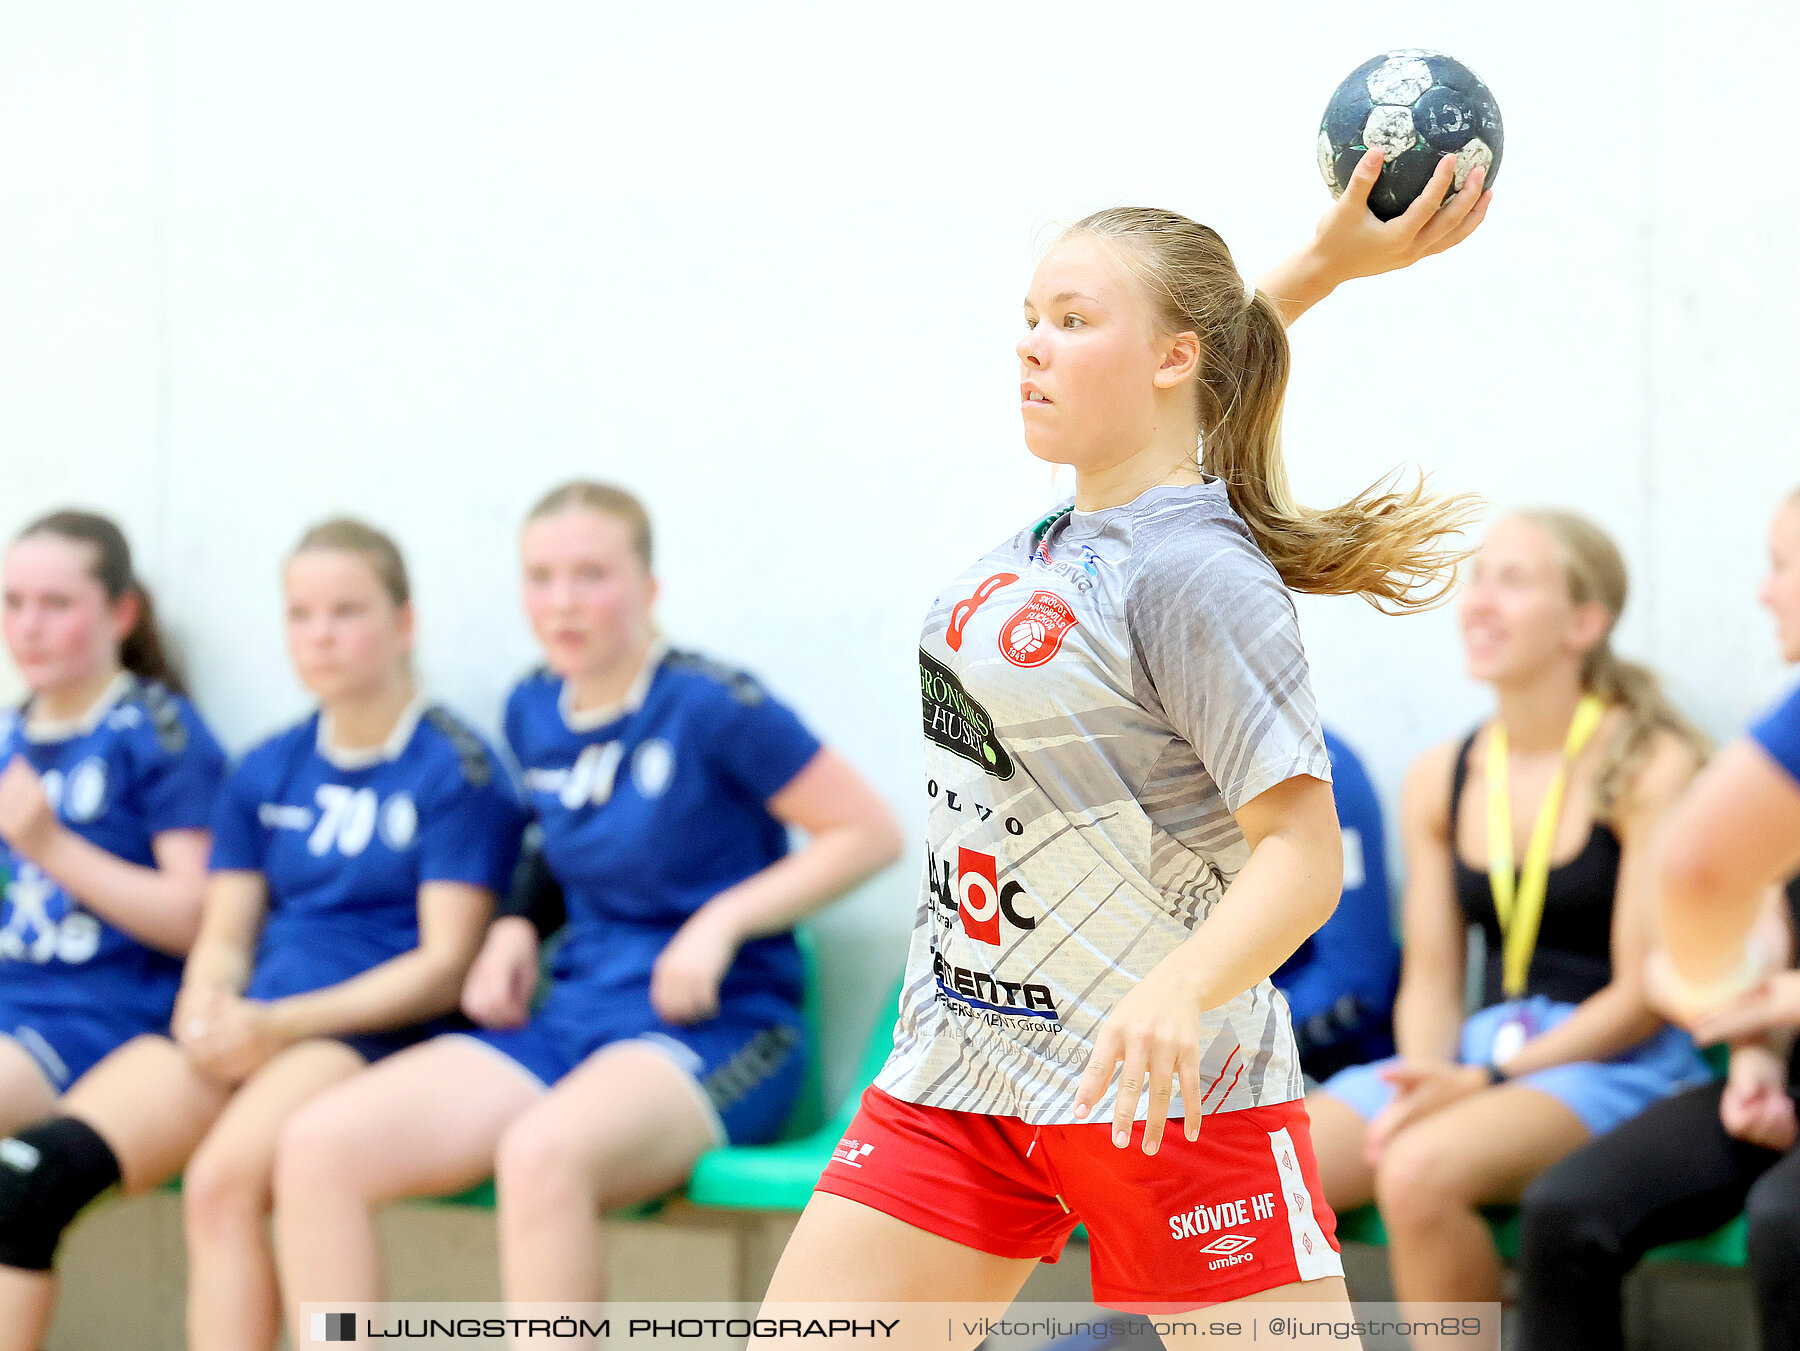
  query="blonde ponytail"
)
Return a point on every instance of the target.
[{"x": 1387, "y": 544}]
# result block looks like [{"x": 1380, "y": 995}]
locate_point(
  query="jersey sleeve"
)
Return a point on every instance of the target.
[
  {"x": 239, "y": 838},
  {"x": 470, "y": 830},
  {"x": 1215, "y": 635},
  {"x": 757, "y": 742},
  {"x": 1778, "y": 733},
  {"x": 180, "y": 788}
]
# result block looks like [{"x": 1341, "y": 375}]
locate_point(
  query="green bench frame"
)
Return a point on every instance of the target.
[{"x": 1722, "y": 1248}]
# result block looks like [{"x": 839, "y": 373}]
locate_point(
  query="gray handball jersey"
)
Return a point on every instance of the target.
[{"x": 1099, "y": 696}]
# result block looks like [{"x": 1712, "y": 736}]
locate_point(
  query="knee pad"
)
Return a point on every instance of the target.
[{"x": 48, "y": 1172}]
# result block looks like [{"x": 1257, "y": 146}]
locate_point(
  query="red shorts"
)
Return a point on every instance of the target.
[{"x": 1237, "y": 1211}]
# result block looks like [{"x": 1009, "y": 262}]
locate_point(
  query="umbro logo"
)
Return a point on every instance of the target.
[
  {"x": 1227, "y": 1250},
  {"x": 1226, "y": 1244}
]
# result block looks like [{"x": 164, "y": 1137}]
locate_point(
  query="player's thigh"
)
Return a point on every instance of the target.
[
  {"x": 1323, "y": 1290},
  {"x": 1484, "y": 1150},
  {"x": 241, "y": 1143},
  {"x": 628, "y": 1117},
  {"x": 844, "y": 1250},
  {"x": 26, "y": 1093},
  {"x": 422, "y": 1122},
  {"x": 149, "y": 1105},
  {"x": 1339, "y": 1134}
]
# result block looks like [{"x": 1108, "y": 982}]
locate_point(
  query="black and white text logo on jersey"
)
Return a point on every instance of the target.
[
  {"x": 971, "y": 989},
  {"x": 955, "y": 720}
]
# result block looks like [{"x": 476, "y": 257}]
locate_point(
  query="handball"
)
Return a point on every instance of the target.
[{"x": 1416, "y": 107}]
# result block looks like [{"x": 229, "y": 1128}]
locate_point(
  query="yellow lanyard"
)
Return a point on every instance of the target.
[{"x": 1519, "y": 902}]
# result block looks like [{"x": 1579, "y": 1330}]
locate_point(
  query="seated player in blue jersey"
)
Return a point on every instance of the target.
[
  {"x": 1340, "y": 983},
  {"x": 664, "y": 785},
  {"x": 1570, "y": 777},
  {"x": 356, "y": 858},
  {"x": 107, "y": 784}
]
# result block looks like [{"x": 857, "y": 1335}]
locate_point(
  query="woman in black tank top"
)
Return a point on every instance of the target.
[
  {"x": 1573, "y": 957},
  {"x": 1562, "y": 1046},
  {"x": 1693, "y": 1161}
]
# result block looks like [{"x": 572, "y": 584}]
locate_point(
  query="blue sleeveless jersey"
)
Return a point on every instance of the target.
[
  {"x": 141, "y": 763},
  {"x": 344, "y": 840},
  {"x": 652, "y": 808}
]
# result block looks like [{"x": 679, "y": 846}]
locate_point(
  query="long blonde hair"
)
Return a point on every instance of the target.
[
  {"x": 1387, "y": 543},
  {"x": 1595, "y": 572}
]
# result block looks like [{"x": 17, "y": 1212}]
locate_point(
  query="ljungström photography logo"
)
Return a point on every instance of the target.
[{"x": 334, "y": 1327}]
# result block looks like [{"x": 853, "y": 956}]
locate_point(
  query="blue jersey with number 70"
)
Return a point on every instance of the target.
[{"x": 344, "y": 839}]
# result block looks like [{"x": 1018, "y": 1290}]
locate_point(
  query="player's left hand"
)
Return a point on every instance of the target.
[
  {"x": 1773, "y": 1004},
  {"x": 1154, "y": 1033},
  {"x": 238, "y": 1038},
  {"x": 27, "y": 820},
  {"x": 684, "y": 983},
  {"x": 1420, "y": 1089}
]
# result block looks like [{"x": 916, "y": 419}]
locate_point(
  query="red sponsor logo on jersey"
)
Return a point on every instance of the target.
[
  {"x": 978, "y": 895},
  {"x": 964, "y": 610},
  {"x": 1035, "y": 634}
]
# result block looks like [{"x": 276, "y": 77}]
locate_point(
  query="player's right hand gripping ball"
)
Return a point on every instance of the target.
[{"x": 1415, "y": 107}]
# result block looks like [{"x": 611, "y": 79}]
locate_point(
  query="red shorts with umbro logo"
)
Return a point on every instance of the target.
[{"x": 1237, "y": 1211}]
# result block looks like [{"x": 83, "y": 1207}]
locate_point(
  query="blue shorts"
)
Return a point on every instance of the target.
[
  {"x": 747, "y": 1063},
  {"x": 292, "y": 971},
  {"x": 1603, "y": 1093},
  {"x": 67, "y": 1043}
]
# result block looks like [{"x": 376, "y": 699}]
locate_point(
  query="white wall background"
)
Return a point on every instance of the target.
[{"x": 763, "y": 264}]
